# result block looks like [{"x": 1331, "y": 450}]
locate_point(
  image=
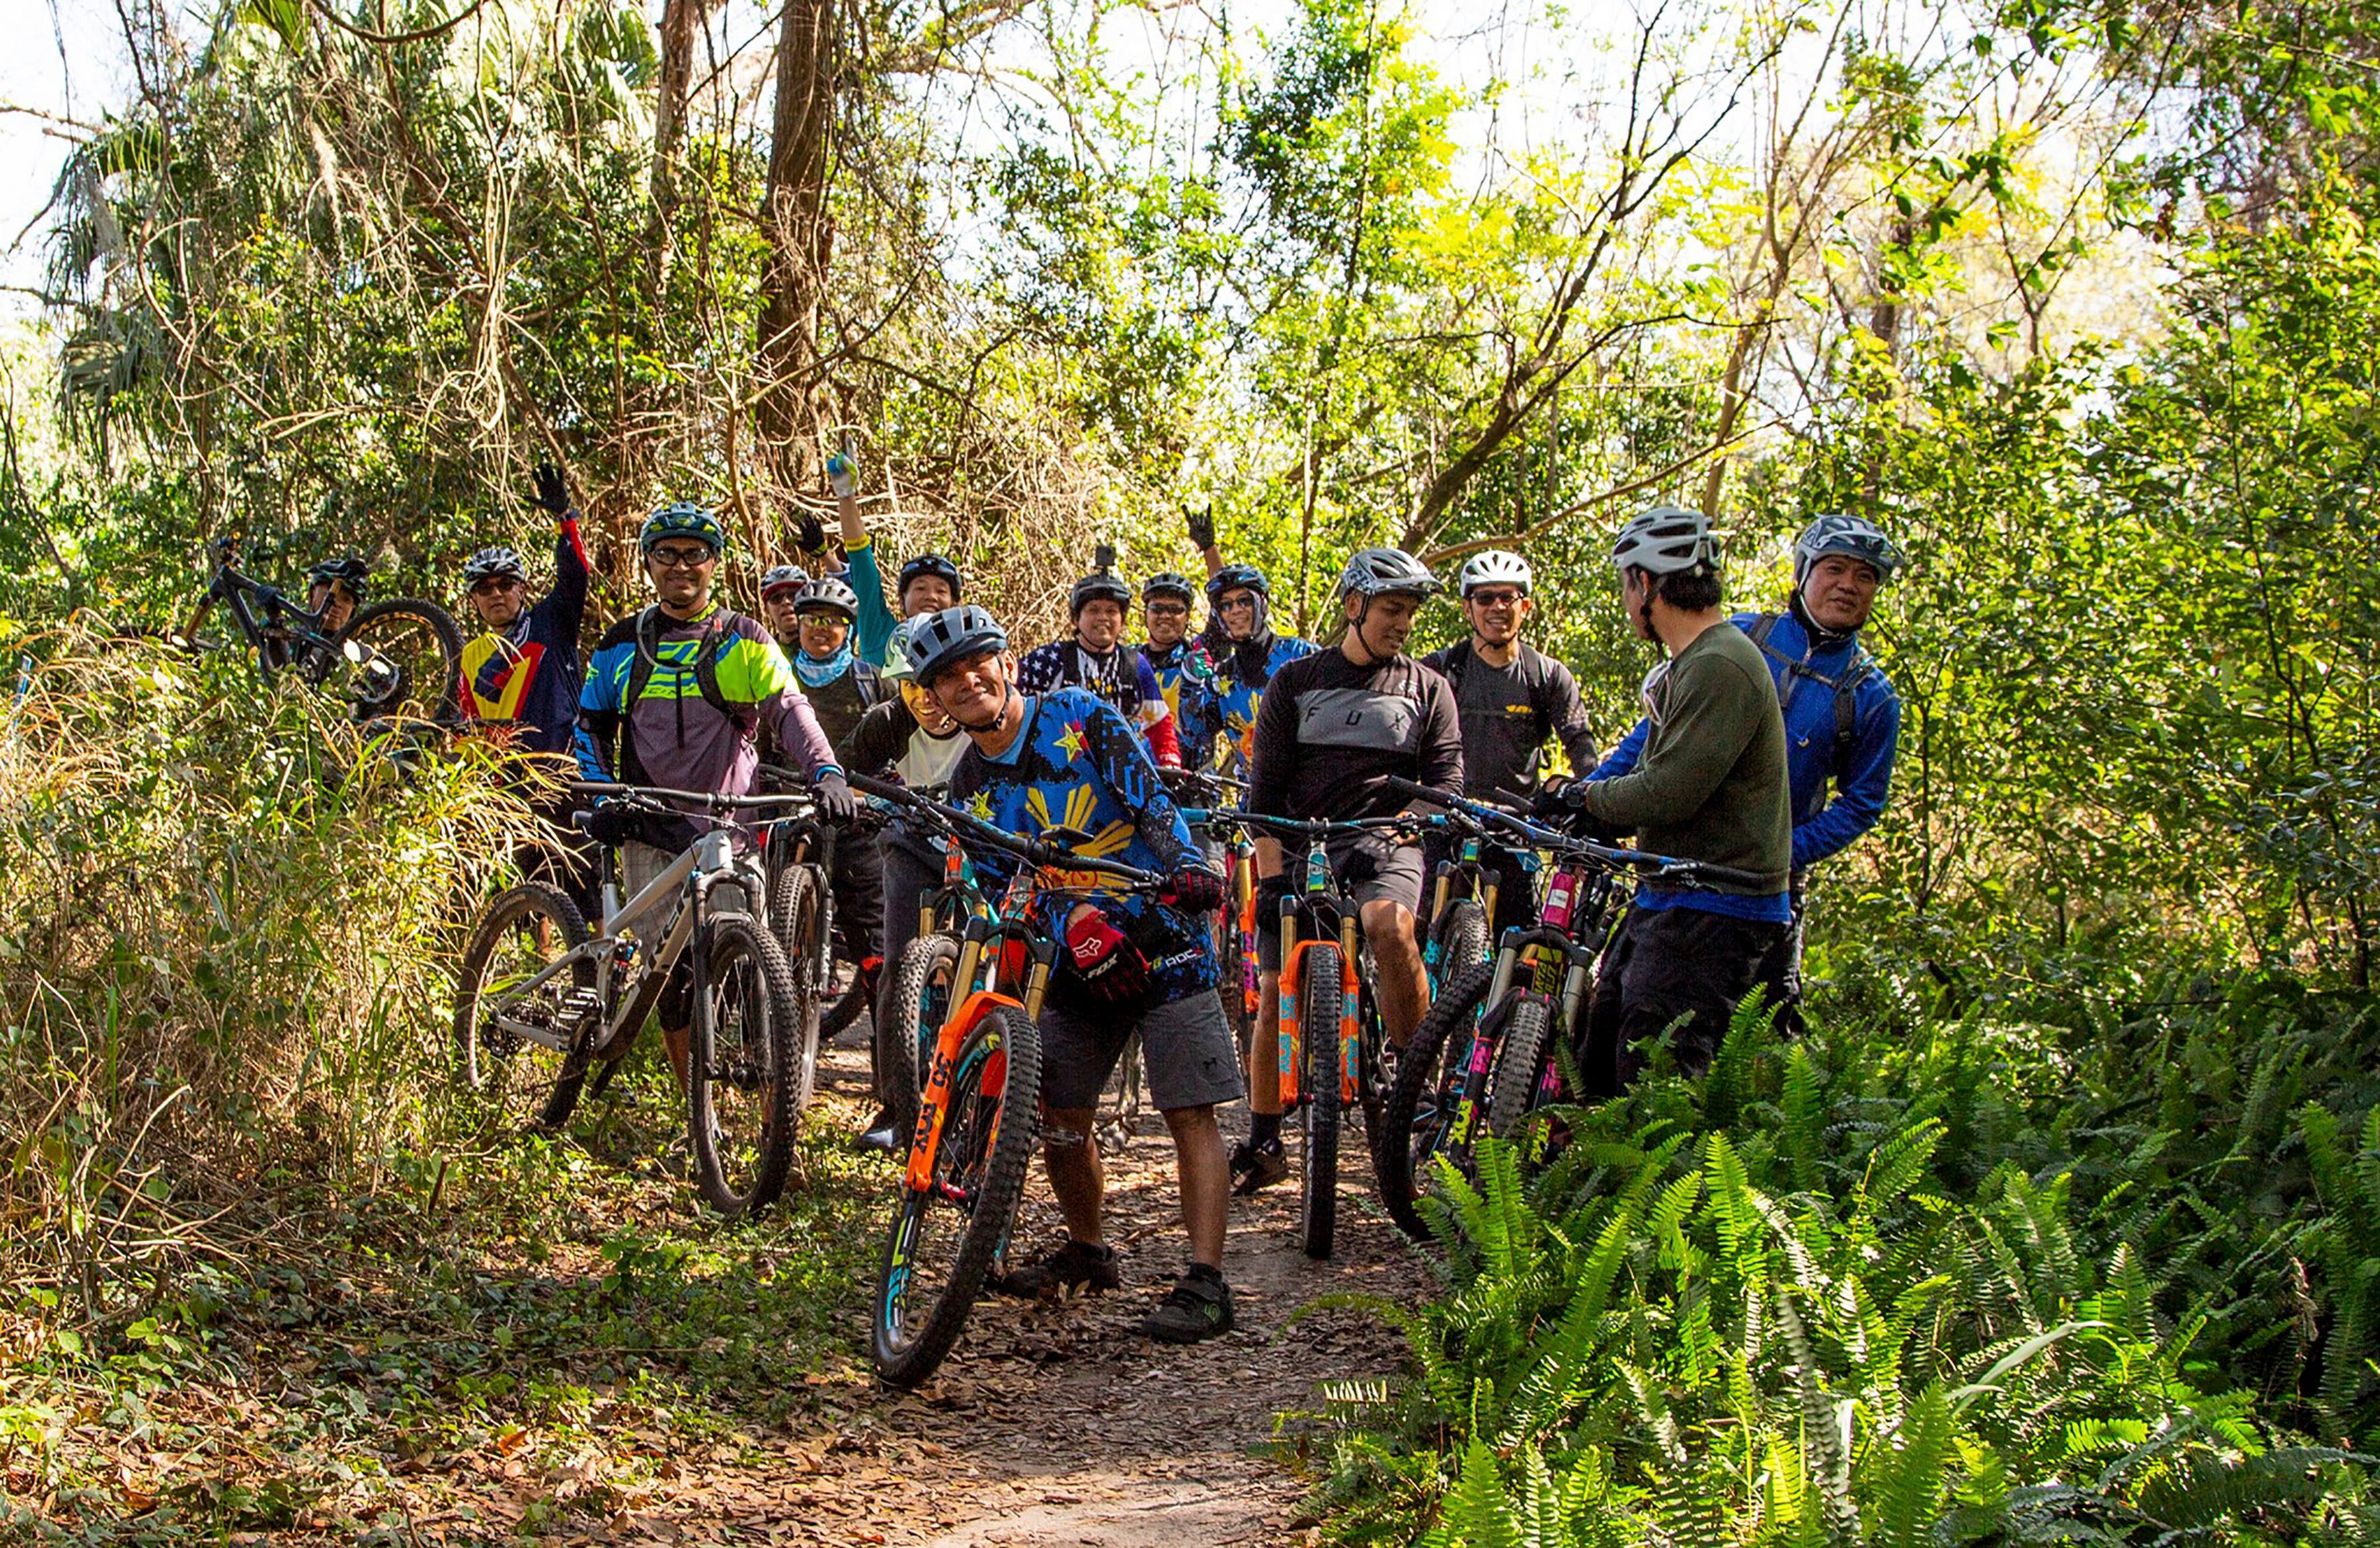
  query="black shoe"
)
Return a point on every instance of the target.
[
  {"x": 881, "y": 1135},
  {"x": 1196, "y": 1307},
  {"x": 1255, "y": 1167},
  {"x": 1074, "y": 1266}
]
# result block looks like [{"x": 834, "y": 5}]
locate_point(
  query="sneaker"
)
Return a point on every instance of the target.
[
  {"x": 1255, "y": 1167},
  {"x": 1196, "y": 1307},
  {"x": 881, "y": 1137},
  {"x": 1074, "y": 1266}
]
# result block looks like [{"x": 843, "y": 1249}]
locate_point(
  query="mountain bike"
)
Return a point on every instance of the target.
[
  {"x": 1331, "y": 1039},
  {"x": 919, "y": 982},
  {"x": 978, "y": 1115},
  {"x": 799, "y": 853},
  {"x": 538, "y": 1001},
  {"x": 1505, "y": 1013},
  {"x": 398, "y": 659}
]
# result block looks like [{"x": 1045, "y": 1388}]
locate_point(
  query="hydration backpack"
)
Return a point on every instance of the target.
[{"x": 1845, "y": 686}]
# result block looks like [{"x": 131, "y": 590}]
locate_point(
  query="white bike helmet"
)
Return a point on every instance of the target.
[
  {"x": 1853, "y": 536},
  {"x": 1666, "y": 540},
  {"x": 1494, "y": 567}
]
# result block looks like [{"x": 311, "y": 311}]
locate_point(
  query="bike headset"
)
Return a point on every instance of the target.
[
  {"x": 939, "y": 639},
  {"x": 1664, "y": 540},
  {"x": 1378, "y": 572}
]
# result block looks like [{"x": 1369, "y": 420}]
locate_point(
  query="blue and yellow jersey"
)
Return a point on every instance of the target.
[
  {"x": 1237, "y": 693},
  {"x": 1077, "y": 764}
]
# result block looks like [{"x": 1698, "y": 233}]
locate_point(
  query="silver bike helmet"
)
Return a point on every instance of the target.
[
  {"x": 776, "y": 577},
  {"x": 827, "y": 594},
  {"x": 489, "y": 563},
  {"x": 1378, "y": 572},
  {"x": 938, "y": 639}
]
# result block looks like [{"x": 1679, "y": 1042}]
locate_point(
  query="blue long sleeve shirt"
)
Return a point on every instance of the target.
[
  {"x": 874, "y": 626},
  {"x": 1860, "y": 776}
]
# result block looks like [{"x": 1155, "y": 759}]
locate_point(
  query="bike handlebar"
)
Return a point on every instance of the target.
[
  {"x": 1032, "y": 851},
  {"x": 1658, "y": 866},
  {"x": 710, "y": 801}
]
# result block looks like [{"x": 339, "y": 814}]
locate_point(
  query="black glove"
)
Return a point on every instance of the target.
[
  {"x": 1553, "y": 803},
  {"x": 1193, "y": 887},
  {"x": 810, "y": 536},
  {"x": 611, "y": 823},
  {"x": 1202, "y": 527},
  {"x": 552, "y": 492},
  {"x": 836, "y": 801}
]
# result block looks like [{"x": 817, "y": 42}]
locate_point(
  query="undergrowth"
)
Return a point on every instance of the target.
[{"x": 1917, "y": 1279}]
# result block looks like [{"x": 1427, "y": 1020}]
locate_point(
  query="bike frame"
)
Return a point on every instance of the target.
[
  {"x": 235, "y": 590},
  {"x": 1308, "y": 907}
]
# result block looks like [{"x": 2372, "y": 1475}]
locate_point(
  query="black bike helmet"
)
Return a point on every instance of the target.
[
  {"x": 930, "y": 563},
  {"x": 348, "y": 570},
  {"x": 1098, "y": 584},
  {"x": 1169, "y": 583},
  {"x": 1237, "y": 578}
]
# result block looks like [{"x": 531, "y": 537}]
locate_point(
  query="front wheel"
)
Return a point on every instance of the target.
[
  {"x": 1520, "y": 1069},
  {"x": 946, "y": 1234},
  {"x": 918, "y": 1000},
  {"x": 1416, "y": 1122},
  {"x": 400, "y": 660},
  {"x": 502, "y": 1006},
  {"x": 740, "y": 1074},
  {"x": 1319, "y": 1006}
]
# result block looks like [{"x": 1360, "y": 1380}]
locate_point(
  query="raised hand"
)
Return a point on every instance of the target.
[
  {"x": 552, "y": 492},
  {"x": 843, "y": 472},
  {"x": 1202, "y": 527}
]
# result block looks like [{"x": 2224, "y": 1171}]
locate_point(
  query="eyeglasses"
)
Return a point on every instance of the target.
[
  {"x": 681, "y": 558},
  {"x": 495, "y": 585},
  {"x": 823, "y": 620},
  {"x": 1494, "y": 599},
  {"x": 1233, "y": 604}
]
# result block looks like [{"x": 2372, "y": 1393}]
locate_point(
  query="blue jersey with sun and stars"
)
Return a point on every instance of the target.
[{"x": 1077, "y": 764}]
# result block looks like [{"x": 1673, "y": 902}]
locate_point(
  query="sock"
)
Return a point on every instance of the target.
[
  {"x": 1202, "y": 1271},
  {"x": 1264, "y": 1130}
]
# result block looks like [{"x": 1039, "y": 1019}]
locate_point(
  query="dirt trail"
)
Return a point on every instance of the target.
[{"x": 1057, "y": 1424}]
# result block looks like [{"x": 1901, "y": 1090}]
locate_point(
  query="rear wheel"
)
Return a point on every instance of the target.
[
  {"x": 741, "y": 1068},
  {"x": 518, "y": 1081},
  {"x": 945, "y": 1235},
  {"x": 398, "y": 660},
  {"x": 1414, "y": 1120},
  {"x": 798, "y": 918},
  {"x": 1318, "y": 1008},
  {"x": 916, "y": 1003}
]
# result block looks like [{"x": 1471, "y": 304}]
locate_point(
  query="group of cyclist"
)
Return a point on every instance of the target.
[{"x": 1767, "y": 744}]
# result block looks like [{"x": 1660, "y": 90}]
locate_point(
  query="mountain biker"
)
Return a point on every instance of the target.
[
  {"x": 674, "y": 697},
  {"x": 927, "y": 584},
  {"x": 1513, "y": 700},
  {"x": 1842, "y": 718},
  {"x": 520, "y": 673},
  {"x": 778, "y": 584},
  {"x": 1185, "y": 673},
  {"x": 335, "y": 589},
  {"x": 819, "y": 614},
  {"x": 907, "y": 737},
  {"x": 1132, "y": 963},
  {"x": 1335, "y": 726},
  {"x": 1708, "y": 785},
  {"x": 1097, "y": 661},
  {"x": 1245, "y": 663}
]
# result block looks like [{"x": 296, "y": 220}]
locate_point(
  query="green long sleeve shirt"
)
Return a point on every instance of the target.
[{"x": 1711, "y": 785}]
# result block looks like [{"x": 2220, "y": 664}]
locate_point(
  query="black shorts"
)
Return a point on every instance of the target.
[
  {"x": 1667, "y": 964},
  {"x": 1383, "y": 869},
  {"x": 1185, "y": 1046}
]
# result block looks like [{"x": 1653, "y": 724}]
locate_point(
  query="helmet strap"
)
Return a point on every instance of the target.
[{"x": 1820, "y": 634}]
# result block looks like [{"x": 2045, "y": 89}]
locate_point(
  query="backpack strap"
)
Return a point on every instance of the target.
[
  {"x": 1845, "y": 686},
  {"x": 1457, "y": 660},
  {"x": 867, "y": 682},
  {"x": 706, "y": 663}
]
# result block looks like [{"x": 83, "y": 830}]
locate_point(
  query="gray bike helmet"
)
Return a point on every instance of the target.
[
  {"x": 776, "y": 577},
  {"x": 489, "y": 563},
  {"x": 827, "y": 594},
  {"x": 1852, "y": 536},
  {"x": 1494, "y": 567},
  {"x": 1380, "y": 572},
  {"x": 1169, "y": 583},
  {"x": 1666, "y": 540},
  {"x": 938, "y": 639}
]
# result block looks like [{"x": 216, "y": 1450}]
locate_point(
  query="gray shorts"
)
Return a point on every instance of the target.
[
  {"x": 1185, "y": 1046},
  {"x": 1396, "y": 875}
]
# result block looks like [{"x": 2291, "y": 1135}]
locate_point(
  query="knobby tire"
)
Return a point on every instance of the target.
[
  {"x": 528, "y": 1086},
  {"x": 1520, "y": 1067},
  {"x": 798, "y": 912},
  {"x": 410, "y": 696},
  {"x": 752, "y": 1051},
  {"x": 1319, "y": 1006},
  {"x": 986, "y": 1144},
  {"x": 916, "y": 1001},
  {"x": 1414, "y": 1119}
]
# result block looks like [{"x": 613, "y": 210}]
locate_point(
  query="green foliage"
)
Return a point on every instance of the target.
[{"x": 1790, "y": 1302}]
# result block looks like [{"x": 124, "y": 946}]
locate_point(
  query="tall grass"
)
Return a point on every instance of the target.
[{"x": 225, "y": 926}]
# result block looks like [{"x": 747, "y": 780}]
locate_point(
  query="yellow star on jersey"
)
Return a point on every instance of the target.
[
  {"x": 1071, "y": 743},
  {"x": 981, "y": 804}
]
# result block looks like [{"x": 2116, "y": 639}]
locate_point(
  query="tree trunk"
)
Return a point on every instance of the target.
[
  {"x": 801, "y": 235},
  {"x": 680, "y": 20}
]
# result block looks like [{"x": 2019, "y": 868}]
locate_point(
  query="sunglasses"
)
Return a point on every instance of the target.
[
  {"x": 495, "y": 585},
  {"x": 682, "y": 559},
  {"x": 823, "y": 620},
  {"x": 1235, "y": 604},
  {"x": 1494, "y": 599},
  {"x": 1169, "y": 609}
]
